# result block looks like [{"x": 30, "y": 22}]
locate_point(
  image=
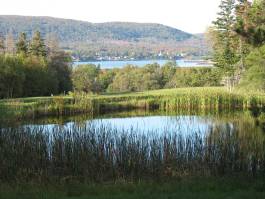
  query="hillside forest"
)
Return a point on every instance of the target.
[{"x": 38, "y": 67}]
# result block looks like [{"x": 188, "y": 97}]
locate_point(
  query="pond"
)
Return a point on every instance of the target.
[
  {"x": 144, "y": 122},
  {"x": 134, "y": 145}
]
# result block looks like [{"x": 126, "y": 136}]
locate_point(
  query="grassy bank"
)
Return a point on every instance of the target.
[
  {"x": 214, "y": 98},
  {"x": 195, "y": 188}
]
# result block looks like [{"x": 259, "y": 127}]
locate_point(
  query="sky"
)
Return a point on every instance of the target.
[{"x": 192, "y": 16}]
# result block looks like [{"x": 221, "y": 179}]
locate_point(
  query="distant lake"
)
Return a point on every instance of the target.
[{"x": 141, "y": 63}]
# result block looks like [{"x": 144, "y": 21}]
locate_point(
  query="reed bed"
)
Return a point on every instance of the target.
[
  {"x": 92, "y": 154},
  {"x": 198, "y": 99}
]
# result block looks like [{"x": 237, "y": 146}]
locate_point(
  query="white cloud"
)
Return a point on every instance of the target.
[{"x": 188, "y": 15}]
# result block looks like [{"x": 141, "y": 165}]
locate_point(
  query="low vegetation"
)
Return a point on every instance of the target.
[
  {"x": 186, "y": 188},
  {"x": 211, "y": 98}
]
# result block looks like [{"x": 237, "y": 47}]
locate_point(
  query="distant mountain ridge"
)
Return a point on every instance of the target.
[{"x": 101, "y": 39}]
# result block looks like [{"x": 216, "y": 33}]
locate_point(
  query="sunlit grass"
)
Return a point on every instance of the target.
[{"x": 166, "y": 99}]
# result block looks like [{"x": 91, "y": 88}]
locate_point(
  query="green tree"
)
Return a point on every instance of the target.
[
  {"x": 85, "y": 78},
  {"x": 105, "y": 79},
  {"x": 60, "y": 62},
  {"x": 11, "y": 76},
  {"x": 254, "y": 77},
  {"x": 195, "y": 77},
  {"x": 168, "y": 71},
  {"x": 40, "y": 80},
  {"x": 226, "y": 41},
  {"x": 250, "y": 21},
  {"x": 22, "y": 44},
  {"x": 37, "y": 46},
  {"x": 132, "y": 78}
]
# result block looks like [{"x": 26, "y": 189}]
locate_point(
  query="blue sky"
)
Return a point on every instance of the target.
[{"x": 189, "y": 15}]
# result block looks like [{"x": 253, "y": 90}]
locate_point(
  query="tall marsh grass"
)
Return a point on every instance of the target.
[
  {"x": 90, "y": 154},
  {"x": 198, "y": 99}
]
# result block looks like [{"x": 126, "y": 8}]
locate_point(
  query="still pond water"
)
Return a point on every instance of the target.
[
  {"x": 141, "y": 63},
  {"x": 158, "y": 123}
]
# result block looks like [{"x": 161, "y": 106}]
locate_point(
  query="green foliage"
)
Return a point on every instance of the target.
[
  {"x": 132, "y": 78},
  {"x": 33, "y": 72},
  {"x": 150, "y": 77},
  {"x": 60, "y": 63},
  {"x": 12, "y": 76},
  {"x": 225, "y": 43},
  {"x": 85, "y": 78},
  {"x": 40, "y": 80},
  {"x": 238, "y": 30},
  {"x": 195, "y": 77},
  {"x": 168, "y": 71},
  {"x": 254, "y": 77},
  {"x": 251, "y": 21},
  {"x": 22, "y": 44},
  {"x": 105, "y": 78},
  {"x": 37, "y": 46}
]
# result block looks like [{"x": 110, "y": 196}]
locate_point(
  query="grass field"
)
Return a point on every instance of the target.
[{"x": 168, "y": 99}]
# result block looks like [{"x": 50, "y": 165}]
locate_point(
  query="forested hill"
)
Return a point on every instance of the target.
[
  {"x": 106, "y": 39},
  {"x": 73, "y": 30}
]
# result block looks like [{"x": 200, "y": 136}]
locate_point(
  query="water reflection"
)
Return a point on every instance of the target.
[
  {"x": 156, "y": 122},
  {"x": 134, "y": 145}
]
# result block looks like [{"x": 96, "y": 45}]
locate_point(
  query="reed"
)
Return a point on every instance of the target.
[
  {"x": 98, "y": 154},
  {"x": 210, "y": 99}
]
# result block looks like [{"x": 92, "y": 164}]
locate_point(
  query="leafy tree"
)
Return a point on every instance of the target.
[
  {"x": 40, "y": 80},
  {"x": 37, "y": 46},
  {"x": 11, "y": 76},
  {"x": 195, "y": 77},
  {"x": 60, "y": 63},
  {"x": 132, "y": 78},
  {"x": 22, "y": 44},
  {"x": 124, "y": 80},
  {"x": 168, "y": 71},
  {"x": 85, "y": 78},
  {"x": 105, "y": 78},
  {"x": 34, "y": 74}
]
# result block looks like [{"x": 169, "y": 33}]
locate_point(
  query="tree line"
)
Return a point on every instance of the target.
[
  {"x": 238, "y": 38},
  {"x": 90, "y": 78},
  {"x": 38, "y": 67},
  {"x": 34, "y": 67}
]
